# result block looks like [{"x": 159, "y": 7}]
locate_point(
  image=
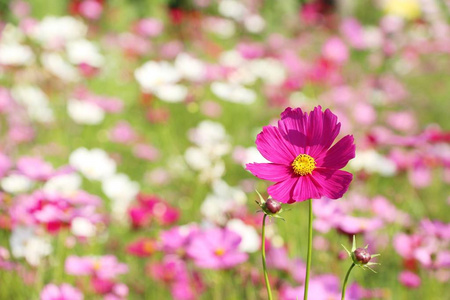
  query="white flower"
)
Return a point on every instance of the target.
[
  {"x": 212, "y": 143},
  {"x": 12, "y": 52},
  {"x": 242, "y": 75},
  {"x": 208, "y": 134},
  {"x": 250, "y": 239},
  {"x": 16, "y": 184},
  {"x": 35, "y": 101},
  {"x": 231, "y": 59},
  {"x": 373, "y": 37},
  {"x": 171, "y": 93},
  {"x": 254, "y": 23},
  {"x": 24, "y": 243},
  {"x": 54, "y": 32},
  {"x": 213, "y": 173},
  {"x": 233, "y": 92},
  {"x": 84, "y": 51},
  {"x": 83, "y": 112},
  {"x": 190, "y": 68},
  {"x": 15, "y": 55},
  {"x": 232, "y": 9},
  {"x": 252, "y": 155},
  {"x": 197, "y": 159},
  {"x": 119, "y": 187},
  {"x": 121, "y": 190},
  {"x": 204, "y": 160},
  {"x": 222, "y": 27},
  {"x": 12, "y": 34},
  {"x": 82, "y": 227},
  {"x": 95, "y": 164},
  {"x": 373, "y": 162},
  {"x": 56, "y": 65},
  {"x": 65, "y": 184},
  {"x": 153, "y": 74},
  {"x": 223, "y": 200},
  {"x": 270, "y": 70}
]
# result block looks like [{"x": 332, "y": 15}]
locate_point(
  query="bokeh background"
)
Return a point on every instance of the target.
[{"x": 126, "y": 127}]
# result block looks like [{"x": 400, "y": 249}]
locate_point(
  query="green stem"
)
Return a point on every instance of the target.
[
  {"x": 345, "y": 281},
  {"x": 263, "y": 251},
  {"x": 308, "y": 258}
]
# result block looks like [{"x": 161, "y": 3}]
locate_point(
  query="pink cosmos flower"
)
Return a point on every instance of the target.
[
  {"x": 176, "y": 239},
  {"x": 170, "y": 270},
  {"x": 335, "y": 50},
  {"x": 250, "y": 50},
  {"x": 277, "y": 257},
  {"x": 91, "y": 9},
  {"x": 143, "y": 247},
  {"x": 149, "y": 27},
  {"x": 20, "y": 9},
  {"x": 303, "y": 164},
  {"x": 174, "y": 272},
  {"x": 122, "y": 133},
  {"x": 216, "y": 249},
  {"x": 35, "y": 168},
  {"x": 353, "y": 225},
  {"x": 354, "y": 33},
  {"x": 151, "y": 208},
  {"x": 5, "y": 264},
  {"x": 103, "y": 267},
  {"x": 409, "y": 279},
  {"x": 146, "y": 152},
  {"x": 322, "y": 287},
  {"x": 5, "y": 164},
  {"x": 63, "y": 292}
]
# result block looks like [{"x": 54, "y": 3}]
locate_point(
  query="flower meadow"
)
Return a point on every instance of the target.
[{"x": 136, "y": 137}]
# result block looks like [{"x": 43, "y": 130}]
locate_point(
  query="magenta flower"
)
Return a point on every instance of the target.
[
  {"x": 176, "y": 239},
  {"x": 143, "y": 247},
  {"x": 216, "y": 249},
  {"x": 63, "y": 292},
  {"x": 35, "y": 168},
  {"x": 409, "y": 279},
  {"x": 304, "y": 165},
  {"x": 103, "y": 267}
]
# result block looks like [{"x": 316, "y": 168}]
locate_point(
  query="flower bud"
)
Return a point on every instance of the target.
[
  {"x": 362, "y": 255},
  {"x": 270, "y": 207},
  {"x": 273, "y": 206}
]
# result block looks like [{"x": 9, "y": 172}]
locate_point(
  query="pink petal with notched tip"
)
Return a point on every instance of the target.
[
  {"x": 333, "y": 183},
  {"x": 282, "y": 191},
  {"x": 274, "y": 147},
  {"x": 306, "y": 189},
  {"x": 338, "y": 155},
  {"x": 271, "y": 172}
]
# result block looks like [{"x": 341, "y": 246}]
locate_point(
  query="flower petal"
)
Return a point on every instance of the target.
[
  {"x": 306, "y": 189},
  {"x": 323, "y": 129},
  {"x": 338, "y": 155},
  {"x": 233, "y": 258},
  {"x": 282, "y": 191},
  {"x": 274, "y": 147},
  {"x": 272, "y": 172},
  {"x": 333, "y": 183},
  {"x": 292, "y": 126}
]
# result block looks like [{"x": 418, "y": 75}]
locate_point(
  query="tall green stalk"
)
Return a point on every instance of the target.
[
  {"x": 263, "y": 253},
  {"x": 308, "y": 259},
  {"x": 344, "y": 285}
]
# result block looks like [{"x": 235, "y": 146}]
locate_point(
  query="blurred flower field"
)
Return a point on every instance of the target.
[{"x": 128, "y": 132}]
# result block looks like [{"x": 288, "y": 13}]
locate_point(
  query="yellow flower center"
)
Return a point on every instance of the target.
[
  {"x": 219, "y": 251},
  {"x": 97, "y": 265},
  {"x": 303, "y": 165},
  {"x": 148, "y": 247}
]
